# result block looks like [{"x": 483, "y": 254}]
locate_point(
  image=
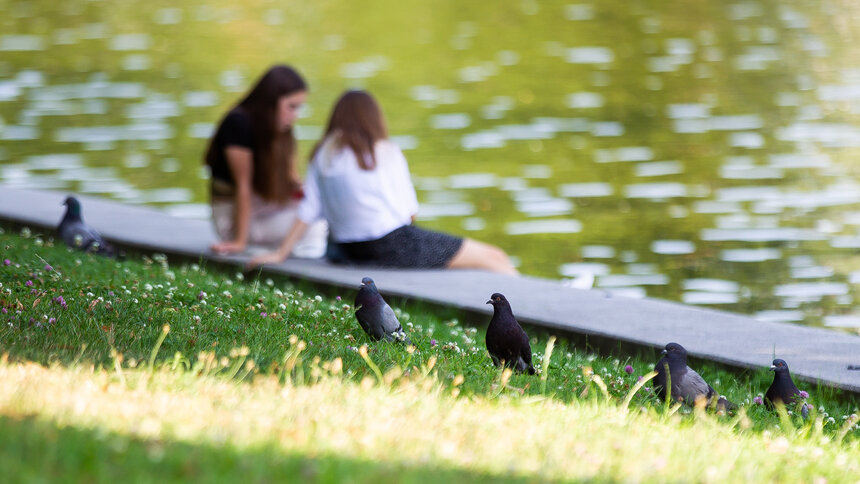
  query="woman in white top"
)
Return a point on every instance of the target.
[{"x": 359, "y": 182}]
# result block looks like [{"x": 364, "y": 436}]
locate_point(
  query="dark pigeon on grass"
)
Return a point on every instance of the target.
[
  {"x": 78, "y": 235},
  {"x": 685, "y": 384},
  {"x": 375, "y": 316},
  {"x": 506, "y": 340},
  {"x": 782, "y": 389}
]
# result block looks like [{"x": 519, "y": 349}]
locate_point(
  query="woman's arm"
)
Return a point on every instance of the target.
[
  {"x": 309, "y": 211},
  {"x": 241, "y": 163},
  {"x": 296, "y": 232}
]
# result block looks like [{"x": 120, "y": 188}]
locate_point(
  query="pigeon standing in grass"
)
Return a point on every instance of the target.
[
  {"x": 506, "y": 340},
  {"x": 685, "y": 384},
  {"x": 78, "y": 235},
  {"x": 783, "y": 389},
  {"x": 375, "y": 316}
]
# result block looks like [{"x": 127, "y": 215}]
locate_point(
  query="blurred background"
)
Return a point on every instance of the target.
[{"x": 696, "y": 150}]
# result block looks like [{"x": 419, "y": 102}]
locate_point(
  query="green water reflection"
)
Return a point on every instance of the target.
[{"x": 697, "y": 151}]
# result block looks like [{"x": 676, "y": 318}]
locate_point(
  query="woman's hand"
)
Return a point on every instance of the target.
[
  {"x": 269, "y": 258},
  {"x": 227, "y": 247}
]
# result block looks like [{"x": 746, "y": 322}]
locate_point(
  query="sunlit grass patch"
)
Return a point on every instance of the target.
[{"x": 413, "y": 419}]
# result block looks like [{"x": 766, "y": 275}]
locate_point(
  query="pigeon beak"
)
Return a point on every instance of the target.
[
  {"x": 490, "y": 301},
  {"x": 664, "y": 352},
  {"x": 772, "y": 368}
]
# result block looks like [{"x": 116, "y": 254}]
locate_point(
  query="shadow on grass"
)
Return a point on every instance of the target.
[{"x": 35, "y": 450}]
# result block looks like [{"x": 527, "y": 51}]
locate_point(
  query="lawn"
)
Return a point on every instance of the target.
[{"x": 161, "y": 370}]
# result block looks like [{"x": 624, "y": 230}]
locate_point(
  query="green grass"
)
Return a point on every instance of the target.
[{"x": 235, "y": 348}]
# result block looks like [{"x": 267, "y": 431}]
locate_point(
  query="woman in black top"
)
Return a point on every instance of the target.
[{"x": 255, "y": 186}]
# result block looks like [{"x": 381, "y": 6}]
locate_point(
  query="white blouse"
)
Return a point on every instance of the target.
[{"x": 358, "y": 204}]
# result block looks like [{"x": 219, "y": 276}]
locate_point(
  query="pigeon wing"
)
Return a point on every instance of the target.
[
  {"x": 525, "y": 356},
  {"x": 390, "y": 324},
  {"x": 78, "y": 235},
  {"x": 691, "y": 386}
]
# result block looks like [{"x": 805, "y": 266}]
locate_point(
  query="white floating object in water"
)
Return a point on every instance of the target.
[
  {"x": 750, "y": 255},
  {"x": 451, "y": 121},
  {"x": 555, "y": 226},
  {"x": 672, "y": 247},
  {"x": 590, "y": 55}
]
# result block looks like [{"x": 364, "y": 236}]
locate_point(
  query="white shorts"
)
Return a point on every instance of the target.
[{"x": 269, "y": 224}]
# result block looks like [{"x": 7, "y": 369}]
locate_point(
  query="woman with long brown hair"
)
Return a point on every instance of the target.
[
  {"x": 255, "y": 186},
  {"x": 359, "y": 182}
]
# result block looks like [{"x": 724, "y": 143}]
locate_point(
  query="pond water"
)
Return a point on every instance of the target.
[{"x": 697, "y": 151}]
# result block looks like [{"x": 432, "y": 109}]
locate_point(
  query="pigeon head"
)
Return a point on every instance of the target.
[
  {"x": 367, "y": 283},
  {"x": 497, "y": 299},
  {"x": 675, "y": 351},
  {"x": 779, "y": 366},
  {"x": 74, "y": 206}
]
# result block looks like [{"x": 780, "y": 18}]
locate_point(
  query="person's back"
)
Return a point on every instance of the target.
[{"x": 363, "y": 204}]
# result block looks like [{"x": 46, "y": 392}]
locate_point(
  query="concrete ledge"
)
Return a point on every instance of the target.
[{"x": 814, "y": 354}]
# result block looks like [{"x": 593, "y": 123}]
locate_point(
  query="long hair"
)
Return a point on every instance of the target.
[
  {"x": 356, "y": 121},
  {"x": 274, "y": 150}
]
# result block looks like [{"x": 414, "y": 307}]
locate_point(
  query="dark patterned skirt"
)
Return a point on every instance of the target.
[{"x": 406, "y": 247}]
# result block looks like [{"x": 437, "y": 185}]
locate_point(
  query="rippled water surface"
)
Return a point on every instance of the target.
[{"x": 699, "y": 151}]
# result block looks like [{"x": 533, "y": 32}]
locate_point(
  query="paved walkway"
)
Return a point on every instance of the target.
[{"x": 812, "y": 353}]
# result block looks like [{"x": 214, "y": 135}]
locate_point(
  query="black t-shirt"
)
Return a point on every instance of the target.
[{"x": 235, "y": 130}]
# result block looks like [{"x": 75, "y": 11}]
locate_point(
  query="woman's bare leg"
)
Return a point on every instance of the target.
[{"x": 478, "y": 255}]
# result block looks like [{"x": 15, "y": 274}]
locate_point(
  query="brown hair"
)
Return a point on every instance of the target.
[
  {"x": 274, "y": 151},
  {"x": 357, "y": 122}
]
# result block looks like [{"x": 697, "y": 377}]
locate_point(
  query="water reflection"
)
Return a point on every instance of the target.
[{"x": 710, "y": 164}]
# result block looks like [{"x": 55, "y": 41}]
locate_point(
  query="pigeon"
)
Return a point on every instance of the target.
[
  {"x": 375, "y": 316},
  {"x": 686, "y": 385},
  {"x": 783, "y": 389},
  {"x": 506, "y": 340},
  {"x": 78, "y": 235}
]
